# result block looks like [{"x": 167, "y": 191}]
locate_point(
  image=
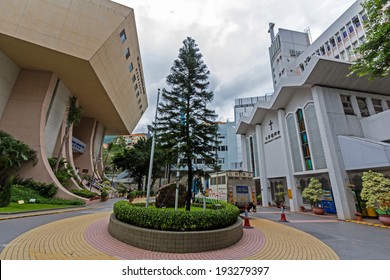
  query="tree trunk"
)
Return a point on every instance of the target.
[
  {"x": 59, "y": 157},
  {"x": 189, "y": 185}
]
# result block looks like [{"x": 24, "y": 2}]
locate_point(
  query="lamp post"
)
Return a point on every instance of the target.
[{"x": 151, "y": 155}]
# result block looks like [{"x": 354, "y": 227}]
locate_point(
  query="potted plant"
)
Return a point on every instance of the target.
[
  {"x": 279, "y": 195},
  {"x": 314, "y": 193},
  {"x": 259, "y": 199},
  {"x": 376, "y": 193},
  {"x": 358, "y": 216}
]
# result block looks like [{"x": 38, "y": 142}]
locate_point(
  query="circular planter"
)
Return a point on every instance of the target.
[
  {"x": 173, "y": 241},
  {"x": 318, "y": 211},
  {"x": 385, "y": 219}
]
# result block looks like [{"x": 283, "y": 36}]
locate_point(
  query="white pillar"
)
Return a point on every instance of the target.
[
  {"x": 263, "y": 171},
  {"x": 345, "y": 205},
  {"x": 287, "y": 155}
]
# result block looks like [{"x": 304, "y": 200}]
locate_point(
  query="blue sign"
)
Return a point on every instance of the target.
[{"x": 241, "y": 189}]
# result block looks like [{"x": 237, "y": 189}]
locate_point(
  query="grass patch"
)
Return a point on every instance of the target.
[{"x": 18, "y": 208}]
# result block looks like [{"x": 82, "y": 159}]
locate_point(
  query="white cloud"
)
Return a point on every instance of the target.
[{"x": 231, "y": 35}]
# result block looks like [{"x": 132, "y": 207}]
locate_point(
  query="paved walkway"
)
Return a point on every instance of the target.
[{"x": 86, "y": 237}]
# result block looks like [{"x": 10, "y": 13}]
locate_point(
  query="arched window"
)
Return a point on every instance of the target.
[{"x": 304, "y": 140}]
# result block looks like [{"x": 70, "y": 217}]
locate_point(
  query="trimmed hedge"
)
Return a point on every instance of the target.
[
  {"x": 84, "y": 193},
  {"x": 163, "y": 219}
]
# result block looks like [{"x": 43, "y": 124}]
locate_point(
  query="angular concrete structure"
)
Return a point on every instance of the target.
[{"x": 52, "y": 50}]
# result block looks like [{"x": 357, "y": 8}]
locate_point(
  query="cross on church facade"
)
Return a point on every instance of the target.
[{"x": 270, "y": 124}]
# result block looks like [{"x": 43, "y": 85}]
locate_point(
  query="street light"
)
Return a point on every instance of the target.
[{"x": 151, "y": 155}]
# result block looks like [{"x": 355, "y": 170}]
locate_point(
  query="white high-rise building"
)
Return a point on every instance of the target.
[{"x": 319, "y": 122}]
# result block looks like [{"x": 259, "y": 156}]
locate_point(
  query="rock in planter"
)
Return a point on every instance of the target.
[{"x": 166, "y": 196}]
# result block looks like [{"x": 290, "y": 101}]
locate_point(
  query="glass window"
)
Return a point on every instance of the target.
[
  {"x": 350, "y": 28},
  {"x": 362, "y": 106},
  {"x": 347, "y": 104},
  {"x": 304, "y": 140},
  {"x": 122, "y": 35},
  {"x": 127, "y": 53},
  {"x": 131, "y": 67},
  {"x": 345, "y": 34},
  {"x": 134, "y": 78},
  {"x": 377, "y": 105}
]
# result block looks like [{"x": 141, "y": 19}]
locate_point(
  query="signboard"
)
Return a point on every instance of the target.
[
  {"x": 78, "y": 146},
  {"x": 289, "y": 192}
]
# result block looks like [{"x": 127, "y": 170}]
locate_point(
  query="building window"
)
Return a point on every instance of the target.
[
  {"x": 332, "y": 42},
  {"x": 122, "y": 35},
  {"x": 134, "y": 78},
  {"x": 131, "y": 67},
  {"x": 362, "y": 106},
  {"x": 338, "y": 38},
  {"x": 127, "y": 53},
  {"x": 136, "y": 87},
  {"x": 137, "y": 94},
  {"x": 347, "y": 104},
  {"x": 356, "y": 21},
  {"x": 388, "y": 104},
  {"x": 364, "y": 17},
  {"x": 304, "y": 140},
  {"x": 350, "y": 28},
  {"x": 377, "y": 105}
]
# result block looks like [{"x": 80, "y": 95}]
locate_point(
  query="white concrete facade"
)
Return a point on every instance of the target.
[{"x": 319, "y": 123}]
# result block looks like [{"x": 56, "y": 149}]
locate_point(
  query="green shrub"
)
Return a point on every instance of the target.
[
  {"x": 84, "y": 193},
  {"x": 5, "y": 192},
  {"x": 19, "y": 192},
  {"x": 163, "y": 219},
  {"x": 46, "y": 190}
]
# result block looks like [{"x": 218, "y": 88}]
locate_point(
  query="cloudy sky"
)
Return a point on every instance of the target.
[{"x": 232, "y": 36}]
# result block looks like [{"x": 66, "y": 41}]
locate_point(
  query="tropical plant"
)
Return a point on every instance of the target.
[
  {"x": 376, "y": 191},
  {"x": 73, "y": 118},
  {"x": 374, "y": 53},
  {"x": 136, "y": 161},
  {"x": 313, "y": 192},
  {"x": 185, "y": 125},
  {"x": 13, "y": 153}
]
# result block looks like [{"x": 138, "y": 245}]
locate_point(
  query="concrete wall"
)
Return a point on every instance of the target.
[
  {"x": 28, "y": 104},
  {"x": 8, "y": 74},
  {"x": 56, "y": 115},
  {"x": 175, "y": 242}
]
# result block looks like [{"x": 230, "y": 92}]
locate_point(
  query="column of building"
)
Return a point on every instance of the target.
[
  {"x": 265, "y": 194},
  {"x": 337, "y": 174}
]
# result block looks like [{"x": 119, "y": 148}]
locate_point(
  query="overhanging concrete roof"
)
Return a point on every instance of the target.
[
  {"x": 361, "y": 153},
  {"x": 319, "y": 72}
]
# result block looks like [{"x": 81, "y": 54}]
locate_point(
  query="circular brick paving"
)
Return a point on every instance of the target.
[{"x": 98, "y": 237}]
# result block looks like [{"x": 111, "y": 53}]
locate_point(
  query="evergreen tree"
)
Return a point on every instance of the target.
[
  {"x": 136, "y": 161},
  {"x": 185, "y": 125},
  {"x": 374, "y": 59}
]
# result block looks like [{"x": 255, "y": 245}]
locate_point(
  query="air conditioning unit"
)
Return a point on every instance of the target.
[{"x": 292, "y": 53}]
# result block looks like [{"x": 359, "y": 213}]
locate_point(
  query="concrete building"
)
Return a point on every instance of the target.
[
  {"x": 319, "y": 122},
  {"x": 52, "y": 50}
]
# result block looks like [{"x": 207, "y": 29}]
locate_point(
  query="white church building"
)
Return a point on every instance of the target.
[{"x": 319, "y": 122}]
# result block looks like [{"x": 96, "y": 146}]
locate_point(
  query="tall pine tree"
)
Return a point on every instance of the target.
[{"x": 185, "y": 125}]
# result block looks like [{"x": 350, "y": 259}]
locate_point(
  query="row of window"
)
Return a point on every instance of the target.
[
  {"x": 123, "y": 38},
  {"x": 362, "y": 102},
  {"x": 343, "y": 43},
  {"x": 218, "y": 180}
]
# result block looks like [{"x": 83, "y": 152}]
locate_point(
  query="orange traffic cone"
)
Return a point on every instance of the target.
[
  {"x": 282, "y": 215},
  {"x": 246, "y": 219}
]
